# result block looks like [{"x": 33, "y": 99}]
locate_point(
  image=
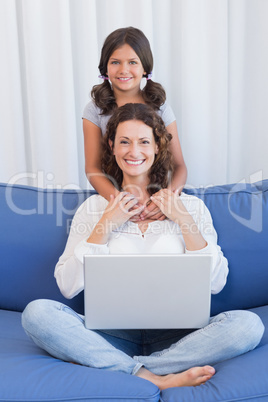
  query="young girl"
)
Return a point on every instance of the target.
[
  {"x": 126, "y": 58},
  {"x": 136, "y": 153}
]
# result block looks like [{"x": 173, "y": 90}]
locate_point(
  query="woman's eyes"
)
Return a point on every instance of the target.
[{"x": 145, "y": 142}]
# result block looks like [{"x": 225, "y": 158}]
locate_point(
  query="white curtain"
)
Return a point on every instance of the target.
[{"x": 210, "y": 55}]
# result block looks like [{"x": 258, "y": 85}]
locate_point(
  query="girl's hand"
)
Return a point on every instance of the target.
[
  {"x": 121, "y": 208},
  {"x": 137, "y": 216},
  {"x": 170, "y": 204},
  {"x": 152, "y": 211}
]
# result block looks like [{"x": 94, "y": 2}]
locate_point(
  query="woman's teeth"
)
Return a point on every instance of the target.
[{"x": 139, "y": 162}]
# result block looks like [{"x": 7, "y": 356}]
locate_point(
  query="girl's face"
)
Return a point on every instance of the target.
[
  {"x": 125, "y": 70},
  {"x": 134, "y": 148}
]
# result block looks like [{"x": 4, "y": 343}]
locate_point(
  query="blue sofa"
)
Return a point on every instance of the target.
[{"x": 34, "y": 228}]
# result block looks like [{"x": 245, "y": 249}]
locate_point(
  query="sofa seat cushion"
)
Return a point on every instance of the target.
[
  {"x": 27, "y": 373},
  {"x": 30, "y": 374},
  {"x": 244, "y": 378}
]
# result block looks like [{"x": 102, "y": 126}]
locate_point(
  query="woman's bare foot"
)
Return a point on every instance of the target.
[{"x": 192, "y": 377}]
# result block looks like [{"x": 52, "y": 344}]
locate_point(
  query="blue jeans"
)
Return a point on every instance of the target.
[{"x": 61, "y": 332}]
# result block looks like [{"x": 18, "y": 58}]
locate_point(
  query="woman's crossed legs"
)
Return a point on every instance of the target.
[{"x": 61, "y": 332}]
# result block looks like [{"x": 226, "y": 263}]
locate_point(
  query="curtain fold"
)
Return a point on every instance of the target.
[
  {"x": 211, "y": 57},
  {"x": 248, "y": 90}
]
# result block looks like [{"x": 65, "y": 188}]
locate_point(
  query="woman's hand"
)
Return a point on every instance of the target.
[
  {"x": 122, "y": 208},
  {"x": 170, "y": 204},
  {"x": 118, "y": 211}
]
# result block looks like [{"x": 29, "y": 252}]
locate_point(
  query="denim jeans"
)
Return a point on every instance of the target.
[{"x": 61, "y": 332}]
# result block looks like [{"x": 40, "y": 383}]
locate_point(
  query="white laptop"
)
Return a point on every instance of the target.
[{"x": 147, "y": 291}]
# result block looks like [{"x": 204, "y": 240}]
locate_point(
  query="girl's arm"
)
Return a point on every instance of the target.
[
  {"x": 92, "y": 146},
  {"x": 180, "y": 171}
]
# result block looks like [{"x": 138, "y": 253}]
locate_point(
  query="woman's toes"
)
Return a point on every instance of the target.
[{"x": 199, "y": 375}]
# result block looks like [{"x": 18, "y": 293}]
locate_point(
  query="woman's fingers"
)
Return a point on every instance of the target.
[
  {"x": 159, "y": 216},
  {"x": 130, "y": 206},
  {"x": 136, "y": 212},
  {"x": 158, "y": 201},
  {"x": 170, "y": 204},
  {"x": 152, "y": 211},
  {"x": 129, "y": 201}
]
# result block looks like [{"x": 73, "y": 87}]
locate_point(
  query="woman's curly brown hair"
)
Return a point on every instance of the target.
[{"x": 162, "y": 166}]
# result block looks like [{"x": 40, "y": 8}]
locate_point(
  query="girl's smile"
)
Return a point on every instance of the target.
[{"x": 124, "y": 79}]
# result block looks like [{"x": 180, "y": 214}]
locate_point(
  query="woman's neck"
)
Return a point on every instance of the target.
[{"x": 137, "y": 187}]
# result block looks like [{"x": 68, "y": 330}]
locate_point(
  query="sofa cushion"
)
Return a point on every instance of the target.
[
  {"x": 28, "y": 373},
  {"x": 240, "y": 217},
  {"x": 34, "y": 229},
  {"x": 243, "y": 378}
]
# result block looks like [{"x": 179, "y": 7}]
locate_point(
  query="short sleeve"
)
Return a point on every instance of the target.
[
  {"x": 167, "y": 114},
  {"x": 92, "y": 113}
]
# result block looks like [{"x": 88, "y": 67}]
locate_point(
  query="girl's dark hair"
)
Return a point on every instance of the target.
[
  {"x": 162, "y": 166},
  {"x": 153, "y": 93}
]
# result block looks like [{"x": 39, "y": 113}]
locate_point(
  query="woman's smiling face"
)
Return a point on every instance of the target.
[{"x": 134, "y": 148}]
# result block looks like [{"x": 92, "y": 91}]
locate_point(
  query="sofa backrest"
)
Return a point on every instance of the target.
[
  {"x": 35, "y": 224},
  {"x": 240, "y": 216},
  {"x": 34, "y": 229}
]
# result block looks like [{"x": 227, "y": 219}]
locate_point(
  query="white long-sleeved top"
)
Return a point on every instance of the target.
[{"x": 161, "y": 237}]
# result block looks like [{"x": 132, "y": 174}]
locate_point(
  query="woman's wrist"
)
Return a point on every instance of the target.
[
  {"x": 193, "y": 239},
  {"x": 101, "y": 232},
  {"x": 186, "y": 223}
]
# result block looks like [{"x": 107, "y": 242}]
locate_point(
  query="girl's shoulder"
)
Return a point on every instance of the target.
[
  {"x": 167, "y": 114},
  {"x": 93, "y": 113},
  {"x": 91, "y": 109}
]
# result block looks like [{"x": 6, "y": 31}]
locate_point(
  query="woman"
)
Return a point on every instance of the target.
[{"x": 137, "y": 156}]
